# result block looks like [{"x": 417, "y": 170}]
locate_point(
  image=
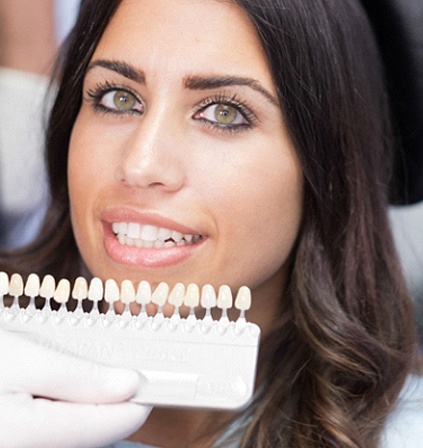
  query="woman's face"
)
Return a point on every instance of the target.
[{"x": 180, "y": 165}]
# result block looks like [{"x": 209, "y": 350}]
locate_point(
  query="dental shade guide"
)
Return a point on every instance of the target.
[{"x": 182, "y": 361}]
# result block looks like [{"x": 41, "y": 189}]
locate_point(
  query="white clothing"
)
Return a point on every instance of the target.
[
  {"x": 407, "y": 228},
  {"x": 404, "y": 428},
  {"x": 22, "y": 170}
]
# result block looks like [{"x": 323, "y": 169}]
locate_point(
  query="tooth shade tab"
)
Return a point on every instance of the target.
[
  {"x": 208, "y": 297},
  {"x": 61, "y": 295},
  {"x": 4, "y": 283},
  {"x": 192, "y": 296},
  {"x": 176, "y": 296},
  {"x": 243, "y": 299},
  {"x": 182, "y": 361},
  {"x": 111, "y": 291},
  {"x": 48, "y": 287},
  {"x": 143, "y": 296},
  {"x": 224, "y": 298},
  {"x": 127, "y": 292},
  {"x": 16, "y": 285},
  {"x": 80, "y": 289},
  {"x": 95, "y": 291},
  {"x": 160, "y": 294},
  {"x": 32, "y": 287}
]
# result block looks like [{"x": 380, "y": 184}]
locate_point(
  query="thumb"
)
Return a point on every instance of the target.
[
  {"x": 26, "y": 366},
  {"x": 39, "y": 423}
]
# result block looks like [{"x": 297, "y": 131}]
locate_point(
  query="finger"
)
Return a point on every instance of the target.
[
  {"x": 29, "y": 367},
  {"x": 39, "y": 423}
]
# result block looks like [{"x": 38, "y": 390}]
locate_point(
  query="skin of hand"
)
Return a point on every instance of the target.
[{"x": 48, "y": 398}]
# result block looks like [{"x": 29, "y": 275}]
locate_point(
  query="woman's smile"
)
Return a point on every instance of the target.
[
  {"x": 147, "y": 236},
  {"x": 147, "y": 240}
]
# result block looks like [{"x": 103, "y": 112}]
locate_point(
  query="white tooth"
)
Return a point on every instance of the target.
[
  {"x": 144, "y": 244},
  {"x": 61, "y": 295},
  {"x": 16, "y": 285},
  {"x": 48, "y": 286},
  {"x": 164, "y": 234},
  {"x": 143, "y": 293},
  {"x": 176, "y": 296},
  {"x": 115, "y": 227},
  {"x": 4, "y": 283},
  {"x": 208, "y": 297},
  {"x": 192, "y": 297},
  {"x": 176, "y": 236},
  {"x": 224, "y": 298},
  {"x": 127, "y": 292},
  {"x": 169, "y": 244},
  {"x": 121, "y": 238},
  {"x": 160, "y": 294},
  {"x": 130, "y": 241},
  {"x": 181, "y": 243},
  {"x": 158, "y": 244},
  {"x": 80, "y": 289},
  {"x": 149, "y": 233},
  {"x": 243, "y": 299},
  {"x": 111, "y": 291},
  {"x": 123, "y": 227},
  {"x": 32, "y": 287},
  {"x": 95, "y": 291},
  {"x": 188, "y": 238},
  {"x": 133, "y": 230}
]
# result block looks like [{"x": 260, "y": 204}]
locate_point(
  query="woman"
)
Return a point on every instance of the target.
[{"x": 258, "y": 133}]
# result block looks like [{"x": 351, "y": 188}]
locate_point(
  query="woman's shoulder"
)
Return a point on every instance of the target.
[{"x": 404, "y": 427}]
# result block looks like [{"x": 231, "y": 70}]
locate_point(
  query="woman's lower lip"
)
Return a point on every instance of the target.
[{"x": 145, "y": 257}]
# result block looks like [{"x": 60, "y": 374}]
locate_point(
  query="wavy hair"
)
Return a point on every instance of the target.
[{"x": 338, "y": 356}]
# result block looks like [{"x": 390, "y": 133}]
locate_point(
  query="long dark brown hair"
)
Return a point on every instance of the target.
[{"x": 339, "y": 354}]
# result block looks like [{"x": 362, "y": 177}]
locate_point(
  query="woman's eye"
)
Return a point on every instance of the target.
[
  {"x": 223, "y": 114},
  {"x": 121, "y": 101}
]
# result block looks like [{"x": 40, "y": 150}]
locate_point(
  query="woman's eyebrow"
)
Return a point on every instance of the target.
[
  {"x": 189, "y": 82},
  {"x": 122, "y": 68},
  {"x": 215, "y": 82}
]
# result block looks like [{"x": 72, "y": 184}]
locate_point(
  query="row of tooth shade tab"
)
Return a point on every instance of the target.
[{"x": 191, "y": 296}]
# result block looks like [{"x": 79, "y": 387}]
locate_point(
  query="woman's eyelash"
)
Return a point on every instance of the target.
[
  {"x": 231, "y": 102},
  {"x": 220, "y": 118},
  {"x": 97, "y": 95}
]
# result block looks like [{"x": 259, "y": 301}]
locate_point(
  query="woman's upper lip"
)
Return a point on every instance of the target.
[{"x": 124, "y": 214}]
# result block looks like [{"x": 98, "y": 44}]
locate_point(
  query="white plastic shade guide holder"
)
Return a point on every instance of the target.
[{"x": 183, "y": 360}]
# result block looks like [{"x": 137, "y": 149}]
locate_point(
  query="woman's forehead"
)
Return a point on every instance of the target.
[{"x": 185, "y": 36}]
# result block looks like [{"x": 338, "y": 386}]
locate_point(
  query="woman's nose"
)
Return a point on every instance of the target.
[{"x": 151, "y": 157}]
